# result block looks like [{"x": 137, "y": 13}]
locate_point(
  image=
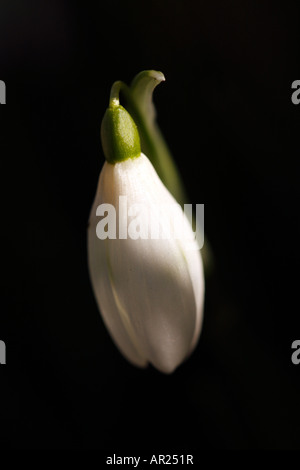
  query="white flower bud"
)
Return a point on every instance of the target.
[{"x": 150, "y": 292}]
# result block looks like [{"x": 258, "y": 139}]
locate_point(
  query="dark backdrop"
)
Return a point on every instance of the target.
[{"x": 226, "y": 112}]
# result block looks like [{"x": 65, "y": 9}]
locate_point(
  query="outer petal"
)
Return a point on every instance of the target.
[
  {"x": 103, "y": 289},
  {"x": 156, "y": 280},
  {"x": 195, "y": 267}
]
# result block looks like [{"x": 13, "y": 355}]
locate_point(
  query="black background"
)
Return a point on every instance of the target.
[{"x": 226, "y": 112}]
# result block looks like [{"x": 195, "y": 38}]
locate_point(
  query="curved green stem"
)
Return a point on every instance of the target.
[{"x": 114, "y": 99}]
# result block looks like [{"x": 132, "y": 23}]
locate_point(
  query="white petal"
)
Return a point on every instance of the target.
[
  {"x": 103, "y": 288},
  {"x": 153, "y": 277},
  {"x": 195, "y": 267}
]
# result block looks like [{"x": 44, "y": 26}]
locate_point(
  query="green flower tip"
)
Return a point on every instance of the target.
[{"x": 119, "y": 134}]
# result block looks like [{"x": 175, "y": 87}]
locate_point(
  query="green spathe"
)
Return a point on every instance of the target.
[{"x": 119, "y": 135}]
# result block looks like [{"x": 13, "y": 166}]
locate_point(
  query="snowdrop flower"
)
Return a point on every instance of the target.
[{"x": 149, "y": 292}]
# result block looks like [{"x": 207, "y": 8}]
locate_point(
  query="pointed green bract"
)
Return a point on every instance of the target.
[{"x": 142, "y": 88}]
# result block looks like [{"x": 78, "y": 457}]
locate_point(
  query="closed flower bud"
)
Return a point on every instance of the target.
[{"x": 149, "y": 290}]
